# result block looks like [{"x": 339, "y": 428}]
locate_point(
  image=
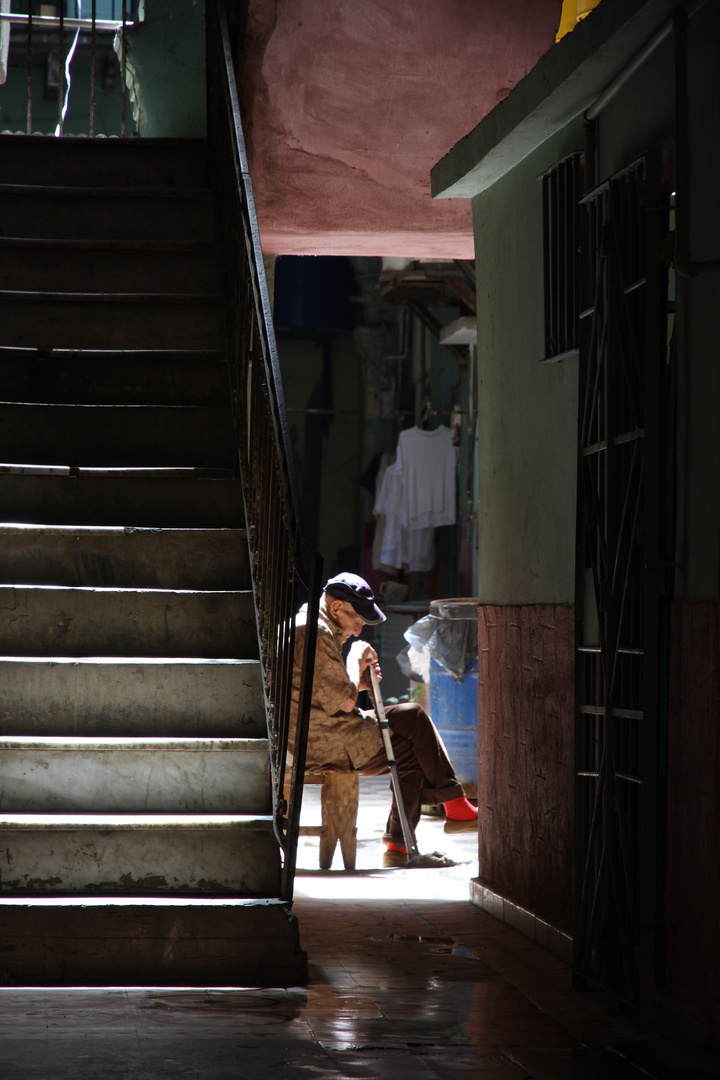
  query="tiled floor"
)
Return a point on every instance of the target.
[{"x": 407, "y": 980}]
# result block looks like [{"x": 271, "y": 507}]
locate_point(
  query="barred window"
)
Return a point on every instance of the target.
[{"x": 561, "y": 193}]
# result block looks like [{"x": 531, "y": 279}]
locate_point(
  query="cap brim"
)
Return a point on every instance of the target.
[
  {"x": 365, "y": 607},
  {"x": 372, "y": 618}
]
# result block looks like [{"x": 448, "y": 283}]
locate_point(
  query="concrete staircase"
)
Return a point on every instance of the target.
[{"x": 135, "y": 818}]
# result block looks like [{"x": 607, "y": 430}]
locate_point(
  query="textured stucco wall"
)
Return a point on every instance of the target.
[{"x": 348, "y": 104}]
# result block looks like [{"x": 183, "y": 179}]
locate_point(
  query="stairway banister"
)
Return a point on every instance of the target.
[{"x": 281, "y": 558}]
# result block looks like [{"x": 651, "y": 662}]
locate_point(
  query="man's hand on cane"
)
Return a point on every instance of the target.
[{"x": 361, "y": 658}]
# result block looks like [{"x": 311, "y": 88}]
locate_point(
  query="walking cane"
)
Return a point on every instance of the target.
[
  {"x": 410, "y": 842},
  {"x": 415, "y": 859}
]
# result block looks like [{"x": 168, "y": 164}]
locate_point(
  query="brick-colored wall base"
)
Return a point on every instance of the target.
[
  {"x": 525, "y": 756},
  {"x": 525, "y": 789}
]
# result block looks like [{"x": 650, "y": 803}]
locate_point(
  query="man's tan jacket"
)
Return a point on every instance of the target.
[{"x": 336, "y": 740}]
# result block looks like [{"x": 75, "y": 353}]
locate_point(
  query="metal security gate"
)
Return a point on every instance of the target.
[{"x": 620, "y": 714}]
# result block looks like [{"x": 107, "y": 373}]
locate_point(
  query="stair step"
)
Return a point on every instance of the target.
[
  {"x": 117, "y": 435},
  {"x": 113, "y": 162},
  {"x": 134, "y": 775},
  {"x": 43, "y": 265},
  {"x": 113, "y": 378},
  {"x": 94, "y": 321},
  {"x": 134, "y": 759},
  {"x": 127, "y": 557},
  {"x": 48, "y": 620},
  {"x": 102, "y": 696},
  {"x": 97, "y": 213},
  {"x": 178, "y": 499},
  {"x": 138, "y": 855},
  {"x": 92, "y": 941}
]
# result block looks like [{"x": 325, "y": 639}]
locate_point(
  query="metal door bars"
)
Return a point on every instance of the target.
[{"x": 619, "y": 722}]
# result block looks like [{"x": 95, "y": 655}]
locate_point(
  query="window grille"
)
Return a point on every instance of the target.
[{"x": 561, "y": 239}]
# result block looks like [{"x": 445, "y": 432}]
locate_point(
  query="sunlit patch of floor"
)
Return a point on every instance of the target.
[{"x": 369, "y": 880}]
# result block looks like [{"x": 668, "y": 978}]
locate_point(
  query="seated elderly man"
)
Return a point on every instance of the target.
[{"x": 344, "y": 738}]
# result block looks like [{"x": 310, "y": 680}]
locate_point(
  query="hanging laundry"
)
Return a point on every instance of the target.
[
  {"x": 386, "y": 461},
  {"x": 387, "y": 509},
  {"x": 427, "y": 462},
  {"x": 412, "y": 548},
  {"x": 416, "y": 493}
]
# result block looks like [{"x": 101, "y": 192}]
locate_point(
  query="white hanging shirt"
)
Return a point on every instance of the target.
[
  {"x": 414, "y": 548},
  {"x": 427, "y": 462}
]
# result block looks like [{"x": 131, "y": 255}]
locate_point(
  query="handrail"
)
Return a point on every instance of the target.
[{"x": 279, "y": 556}]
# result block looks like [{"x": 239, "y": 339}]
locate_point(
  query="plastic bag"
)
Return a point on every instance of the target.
[{"x": 450, "y": 642}]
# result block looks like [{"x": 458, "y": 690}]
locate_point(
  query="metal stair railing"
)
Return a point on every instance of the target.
[{"x": 282, "y": 564}]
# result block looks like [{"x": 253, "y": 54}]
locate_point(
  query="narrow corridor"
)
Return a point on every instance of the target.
[{"x": 407, "y": 980}]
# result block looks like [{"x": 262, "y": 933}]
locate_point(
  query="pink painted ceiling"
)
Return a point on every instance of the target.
[{"x": 349, "y": 103}]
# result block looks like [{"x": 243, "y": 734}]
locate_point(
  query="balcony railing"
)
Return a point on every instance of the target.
[{"x": 44, "y": 51}]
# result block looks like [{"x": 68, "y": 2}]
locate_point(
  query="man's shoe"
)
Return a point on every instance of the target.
[{"x": 394, "y": 858}]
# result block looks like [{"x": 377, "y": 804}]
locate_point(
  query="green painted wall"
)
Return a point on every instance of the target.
[
  {"x": 527, "y": 410},
  {"x": 641, "y": 116},
  {"x": 166, "y": 65}
]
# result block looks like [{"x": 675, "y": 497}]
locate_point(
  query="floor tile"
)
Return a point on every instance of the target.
[
  {"x": 579, "y": 1063},
  {"x": 408, "y": 981}
]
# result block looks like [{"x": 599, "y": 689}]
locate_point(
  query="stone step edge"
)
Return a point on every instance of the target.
[
  {"x": 192, "y": 247},
  {"x": 101, "y": 407},
  {"x": 84, "y": 743},
  {"x": 124, "y": 589},
  {"x": 126, "y": 530},
  {"x": 174, "y": 298},
  {"x": 154, "y": 355},
  {"x": 63, "y": 822},
  {"x": 106, "y": 191},
  {"x": 141, "y": 901},
  {"x": 123, "y": 472},
  {"x": 97, "y": 661}
]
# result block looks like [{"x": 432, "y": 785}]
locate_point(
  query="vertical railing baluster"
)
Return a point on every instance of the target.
[
  {"x": 92, "y": 68},
  {"x": 28, "y": 119},
  {"x": 61, "y": 66},
  {"x": 123, "y": 70}
]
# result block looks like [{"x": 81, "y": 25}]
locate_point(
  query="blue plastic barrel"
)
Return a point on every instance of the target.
[
  {"x": 454, "y": 708},
  {"x": 453, "y": 705}
]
